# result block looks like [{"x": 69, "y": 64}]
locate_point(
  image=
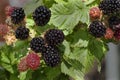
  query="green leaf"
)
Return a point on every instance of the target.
[
  {"x": 40, "y": 30},
  {"x": 79, "y": 54},
  {"x": 67, "y": 48},
  {"x": 31, "y": 6},
  {"x": 29, "y": 75},
  {"x": 4, "y": 58},
  {"x": 88, "y": 63},
  {"x": 97, "y": 48},
  {"x": 2, "y": 74},
  {"x": 92, "y": 2},
  {"x": 60, "y": 1},
  {"x": 67, "y": 16},
  {"x": 23, "y": 75},
  {"x": 14, "y": 77},
  {"x": 53, "y": 73},
  {"x": 8, "y": 67},
  {"x": 48, "y": 3},
  {"x": 79, "y": 38},
  {"x": 74, "y": 63},
  {"x": 20, "y": 44},
  {"x": 76, "y": 74},
  {"x": 29, "y": 22},
  {"x": 13, "y": 59}
]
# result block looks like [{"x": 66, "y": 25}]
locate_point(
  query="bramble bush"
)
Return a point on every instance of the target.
[{"x": 57, "y": 39}]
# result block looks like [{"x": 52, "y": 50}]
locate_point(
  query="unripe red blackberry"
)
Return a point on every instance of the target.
[
  {"x": 22, "y": 33},
  {"x": 33, "y": 61},
  {"x": 3, "y": 30},
  {"x": 97, "y": 29},
  {"x": 9, "y": 10},
  {"x": 117, "y": 34},
  {"x": 51, "y": 56},
  {"x": 114, "y": 22},
  {"x": 17, "y": 16},
  {"x": 94, "y": 13},
  {"x": 41, "y": 15},
  {"x": 54, "y": 37},
  {"x": 37, "y": 44},
  {"x": 109, "y": 34},
  {"x": 110, "y": 6},
  {"x": 22, "y": 66}
]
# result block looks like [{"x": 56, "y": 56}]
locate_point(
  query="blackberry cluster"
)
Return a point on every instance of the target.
[
  {"x": 17, "y": 15},
  {"x": 114, "y": 22},
  {"x": 110, "y": 6},
  {"x": 41, "y": 15},
  {"x": 54, "y": 37},
  {"x": 37, "y": 44},
  {"x": 97, "y": 29},
  {"x": 51, "y": 56},
  {"x": 22, "y": 33}
]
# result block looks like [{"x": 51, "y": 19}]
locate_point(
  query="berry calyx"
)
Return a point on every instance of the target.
[
  {"x": 37, "y": 44},
  {"x": 17, "y": 15},
  {"x": 94, "y": 13},
  {"x": 41, "y": 15},
  {"x": 33, "y": 61},
  {"x": 22, "y": 33},
  {"x": 54, "y": 37},
  {"x": 97, "y": 29},
  {"x": 22, "y": 66}
]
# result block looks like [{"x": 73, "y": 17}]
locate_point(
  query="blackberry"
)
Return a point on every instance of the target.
[
  {"x": 17, "y": 15},
  {"x": 54, "y": 36},
  {"x": 9, "y": 10},
  {"x": 117, "y": 34},
  {"x": 113, "y": 22},
  {"x": 109, "y": 34},
  {"x": 110, "y": 6},
  {"x": 51, "y": 56},
  {"x": 37, "y": 44},
  {"x": 97, "y": 29},
  {"x": 41, "y": 15},
  {"x": 33, "y": 61},
  {"x": 22, "y": 66},
  {"x": 94, "y": 13},
  {"x": 22, "y": 33},
  {"x": 3, "y": 30}
]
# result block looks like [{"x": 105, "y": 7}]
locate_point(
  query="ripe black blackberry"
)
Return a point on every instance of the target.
[
  {"x": 97, "y": 29},
  {"x": 22, "y": 33},
  {"x": 51, "y": 56},
  {"x": 54, "y": 37},
  {"x": 41, "y": 15},
  {"x": 114, "y": 21},
  {"x": 17, "y": 16},
  {"x": 37, "y": 44},
  {"x": 110, "y": 6}
]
